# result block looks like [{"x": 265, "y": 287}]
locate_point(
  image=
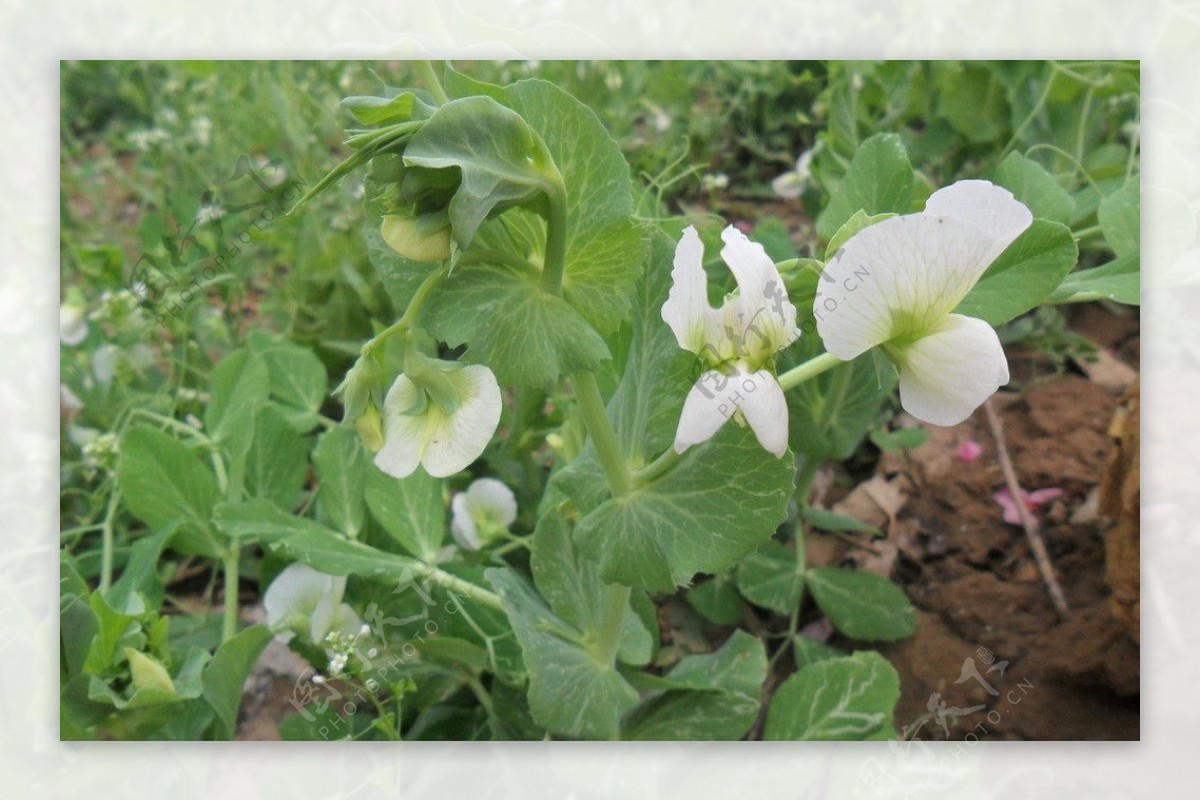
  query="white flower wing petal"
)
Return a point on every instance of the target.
[
  {"x": 762, "y": 301},
  {"x": 462, "y": 526},
  {"x": 705, "y": 409},
  {"x": 297, "y": 590},
  {"x": 454, "y": 441},
  {"x": 986, "y": 206},
  {"x": 495, "y": 498},
  {"x": 897, "y": 277},
  {"x": 945, "y": 376},
  {"x": 686, "y": 308},
  {"x": 765, "y": 409},
  {"x": 403, "y": 435}
]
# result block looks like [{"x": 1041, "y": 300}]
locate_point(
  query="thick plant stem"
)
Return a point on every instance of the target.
[
  {"x": 604, "y": 439},
  {"x": 106, "y": 541},
  {"x": 231, "y": 563},
  {"x": 475, "y": 593},
  {"x": 665, "y": 461},
  {"x": 556, "y": 236},
  {"x": 616, "y": 601},
  {"x": 810, "y": 369}
]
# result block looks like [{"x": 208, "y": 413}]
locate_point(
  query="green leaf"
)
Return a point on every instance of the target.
[
  {"x": 226, "y": 673},
  {"x": 605, "y": 249},
  {"x": 807, "y": 651},
  {"x": 900, "y": 439},
  {"x": 571, "y": 692},
  {"x": 708, "y": 697},
  {"x": 410, "y": 509},
  {"x": 341, "y": 467},
  {"x": 503, "y": 162},
  {"x": 297, "y": 378},
  {"x": 862, "y": 605},
  {"x": 770, "y": 578},
  {"x": 848, "y": 698},
  {"x": 852, "y": 226},
  {"x": 239, "y": 387},
  {"x": 526, "y": 336},
  {"x": 717, "y": 600},
  {"x": 828, "y": 521},
  {"x": 829, "y": 415},
  {"x": 166, "y": 486},
  {"x": 277, "y": 463},
  {"x": 1120, "y": 219},
  {"x": 573, "y": 588},
  {"x": 1032, "y": 185},
  {"x": 879, "y": 180},
  {"x": 720, "y": 501},
  {"x": 973, "y": 99},
  {"x": 1024, "y": 275},
  {"x": 1119, "y": 280},
  {"x": 381, "y": 110}
]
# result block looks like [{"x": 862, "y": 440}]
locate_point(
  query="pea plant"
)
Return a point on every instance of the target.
[{"x": 584, "y": 407}]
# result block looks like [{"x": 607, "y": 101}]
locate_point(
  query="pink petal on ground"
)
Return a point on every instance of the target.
[
  {"x": 1032, "y": 501},
  {"x": 1038, "y": 497},
  {"x": 969, "y": 451},
  {"x": 1005, "y": 499}
]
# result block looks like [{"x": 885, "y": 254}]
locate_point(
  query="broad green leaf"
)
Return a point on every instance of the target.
[
  {"x": 717, "y": 600},
  {"x": 239, "y": 387},
  {"x": 1120, "y": 219},
  {"x": 277, "y": 463},
  {"x": 140, "y": 575},
  {"x": 973, "y": 99},
  {"x": 297, "y": 378},
  {"x": 719, "y": 502},
  {"x": 1024, "y": 275},
  {"x": 1032, "y": 185},
  {"x": 112, "y": 626},
  {"x": 807, "y": 651},
  {"x": 708, "y": 697},
  {"x": 1119, "y": 280},
  {"x": 770, "y": 578},
  {"x": 879, "y": 180},
  {"x": 410, "y": 509},
  {"x": 381, "y": 110},
  {"x": 226, "y": 673},
  {"x": 828, "y": 416},
  {"x": 861, "y": 605},
  {"x": 900, "y": 439},
  {"x": 165, "y": 485},
  {"x": 341, "y": 467},
  {"x": 848, "y": 698},
  {"x": 502, "y": 161},
  {"x": 605, "y": 249},
  {"x": 526, "y": 336},
  {"x": 571, "y": 692},
  {"x": 573, "y": 588},
  {"x": 458, "y": 84}
]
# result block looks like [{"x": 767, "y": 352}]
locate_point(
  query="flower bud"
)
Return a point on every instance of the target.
[
  {"x": 369, "y": 426},
  {"x": 422, "y": 238}
]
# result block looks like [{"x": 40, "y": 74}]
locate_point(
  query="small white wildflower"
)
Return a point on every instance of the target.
[
  {"x": 209, "y": 213},
  {"x": 790, "y": 185},
  {"x": 712, "y": 182},
  {"x": 318, "y": 679},
  {"x": 148, "y": 139},
  {"x": 202, "y": 130},
  {"x": 72, "y": 324}
]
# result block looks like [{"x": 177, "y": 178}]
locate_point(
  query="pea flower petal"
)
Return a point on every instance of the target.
[
  {"x": 310, "y": 602},
  {"x": 896, "y": 284},
  {"x": 486, "y": 507},
  {"x": 441, "y": 443}
]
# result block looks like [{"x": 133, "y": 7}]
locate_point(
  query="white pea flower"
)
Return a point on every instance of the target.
[
  {"x": 896, "y": 283},
  {"x": 480, "y": 514},
  {"x": 72, "y": 324},
  {"x": 306, "y": 602},
  {"x": 790, "y": 185},
  {"x": 443, "y": 434},
  {"x": 736, "y": 342}
]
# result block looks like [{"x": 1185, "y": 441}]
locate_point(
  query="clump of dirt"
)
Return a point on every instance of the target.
[{"x": 991, "y": 657}]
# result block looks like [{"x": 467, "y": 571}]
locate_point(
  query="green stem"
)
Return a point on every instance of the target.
[
  {"x": 604, "y": 439},
  {"x": 410, "y": 314},
  {"x": 231, "y": 562},
  {"x": 616, "y": 601},
  {"x": 455, "y": 584},
  {"x": 810, "y": 369},
  {"x": 556, "y": 236},
  {"x": 665, "y": 461},
  {"x": 106, "y": 541},
  {"x": 431, "y": 81}
]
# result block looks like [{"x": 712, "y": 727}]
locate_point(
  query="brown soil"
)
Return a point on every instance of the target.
[{"x": 980, "y": 599}]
